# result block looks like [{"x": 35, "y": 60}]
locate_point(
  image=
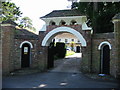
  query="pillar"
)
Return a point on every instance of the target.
[
  {"x": 7, "y": 37},
  {"x": 116, "y": 21}
]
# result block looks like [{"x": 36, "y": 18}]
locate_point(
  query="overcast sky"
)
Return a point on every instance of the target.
[{"x": 35, "y": 9}]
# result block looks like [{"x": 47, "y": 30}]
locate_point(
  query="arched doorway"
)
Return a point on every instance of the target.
[
  {"x": 105, "y": 60},
  {"x": 25, "y": 55},
  {"x": 105, "y": 48}
]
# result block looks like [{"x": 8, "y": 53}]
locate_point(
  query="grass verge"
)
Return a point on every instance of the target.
[{"x": 68, "y": 53}]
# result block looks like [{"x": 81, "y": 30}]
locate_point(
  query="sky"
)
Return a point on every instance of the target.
[{"x": 34, "y": 9}]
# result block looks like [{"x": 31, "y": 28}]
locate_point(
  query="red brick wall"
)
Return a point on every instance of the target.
[
  {"x": 97, "y": 39},
  {"x": 7, "y": 48}
]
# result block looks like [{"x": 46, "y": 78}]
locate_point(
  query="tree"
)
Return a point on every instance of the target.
[
  {"x": 10, "y": 11},
  {"x": 26, "y": 22},
  {"x": 99, "y": 14}
]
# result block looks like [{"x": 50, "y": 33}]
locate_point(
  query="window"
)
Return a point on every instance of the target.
[
  {"x": 52, "y": 23},
  {"x": 59, "y": 40},
  {"x": 72, "y": 40},
  {"x": 66, "y": 40},
  {"x": 73, "y": 22},
  {"x": 78, "y": 41},
  {"x": 62, "y": 22}
]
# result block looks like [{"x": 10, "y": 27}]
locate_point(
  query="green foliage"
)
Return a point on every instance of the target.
[
  {"x": 10, "y": 11},
  {"x": 99, "y": 14},
  {"x": 26, "y": 22}
]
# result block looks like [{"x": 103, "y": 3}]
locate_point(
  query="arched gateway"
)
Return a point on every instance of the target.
[
  {"x": 48, "y": 38},
  {"x": 100, "y": 52},
  {"x": 66, "y": 21}
]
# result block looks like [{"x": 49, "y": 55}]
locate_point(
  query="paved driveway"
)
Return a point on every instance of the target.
[{"x": 65, "y": 75}]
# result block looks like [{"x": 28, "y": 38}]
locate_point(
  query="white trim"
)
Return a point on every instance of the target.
[
  {"x": 104, "y": 43},
  {"x": 48, "y": 38},
  {"x": 116, "y": 20},
  {"x": 85, "y": 27},
  {"x": 27, "y": 43}
]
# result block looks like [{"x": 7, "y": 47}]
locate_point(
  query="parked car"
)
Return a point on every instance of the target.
[{"x": 69, "y": 49}]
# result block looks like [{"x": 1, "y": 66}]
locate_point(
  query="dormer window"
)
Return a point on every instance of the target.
[
  {"x": 73, "y": 22},
  {"x": 52, "y": 23},
  {"x": 62, "y": 22}
]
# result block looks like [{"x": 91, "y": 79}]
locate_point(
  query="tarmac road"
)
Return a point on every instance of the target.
[{"x": 64, "y": 75}]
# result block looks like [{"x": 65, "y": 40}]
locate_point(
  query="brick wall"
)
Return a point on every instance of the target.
[
  {"x": 117, "y": 46},
  {"x": 33, "y": 54},
  {"x": 11, "y": 51},
  {"x": 85, "y": 65},
  {"x": 96, "y": 40},
  {"x": 86, "y": 60},
  {"x": 7, "y": 48}
]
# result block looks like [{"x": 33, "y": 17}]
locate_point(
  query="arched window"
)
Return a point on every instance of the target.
[
  {"x": 73, "y": 22},
  {"x": 62, "y": 22},
  {"x": 52, "y": 23}
]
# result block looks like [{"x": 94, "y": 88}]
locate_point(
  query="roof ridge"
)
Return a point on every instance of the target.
[{"x": 63, "y": 13}]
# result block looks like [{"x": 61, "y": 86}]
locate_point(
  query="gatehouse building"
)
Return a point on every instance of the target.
[{"x": 23, "y": 49}]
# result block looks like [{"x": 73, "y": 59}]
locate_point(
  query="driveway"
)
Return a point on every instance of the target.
[{"x": 65, "y": 75}]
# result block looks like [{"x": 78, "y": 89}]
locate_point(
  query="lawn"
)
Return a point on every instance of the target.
[{"x": 68, "y": 53}]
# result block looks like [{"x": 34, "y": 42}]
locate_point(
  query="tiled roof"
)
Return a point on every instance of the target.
[
  {"x": 63, "y": 13},
  {"x": 9, "y": 22},
  {"x": 23, "y": 33},
  {"x": 117, "y": 16}
]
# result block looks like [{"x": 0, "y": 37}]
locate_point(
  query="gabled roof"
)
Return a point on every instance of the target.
[{"x": 63, "y": 13}]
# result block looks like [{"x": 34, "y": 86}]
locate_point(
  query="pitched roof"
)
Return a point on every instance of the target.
[
  {"x": 63, "y": 13},
  {"x": 117, "y": 16},
  {"x": 23, "y": 33},
  {"x": 9, "y": 21}
]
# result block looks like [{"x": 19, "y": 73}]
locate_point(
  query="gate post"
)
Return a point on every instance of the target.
[
  {"x": 42, "y": 52},
  {"x": 7, "y": 36},
  {"x": 86, "y": 63},
  {"x": 116, "y": 21}
]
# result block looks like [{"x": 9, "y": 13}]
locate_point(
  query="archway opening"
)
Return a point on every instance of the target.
[
  {"x": 25, "y": 55},
  {"x": 77, "y": 42},
  {"x": 105, "y": 60},
  {"x": 64, "y": 47}
]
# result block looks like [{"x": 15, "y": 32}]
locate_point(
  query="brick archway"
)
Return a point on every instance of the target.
[
  {"x": 78, "y": 28},
  {"x": 48, "y": 38}
]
